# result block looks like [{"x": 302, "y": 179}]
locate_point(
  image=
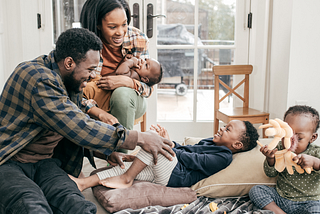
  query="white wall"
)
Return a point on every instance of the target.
[
  {"x": 257, "y": 53},
  {"x": 295, "y": 72},
  {"x": 280, "y": 58},
  {"x": 304, "y": 72},
  {"x": 21, "y": 38},
  {"x": 2, "y": 50},
  {"x": 295, "y": 55}
]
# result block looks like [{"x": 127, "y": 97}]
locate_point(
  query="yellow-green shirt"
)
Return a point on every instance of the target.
[{"x": 297, "y": 187}]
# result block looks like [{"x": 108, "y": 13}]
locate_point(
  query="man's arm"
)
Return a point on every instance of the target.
[{"x": 53, "y": 109}]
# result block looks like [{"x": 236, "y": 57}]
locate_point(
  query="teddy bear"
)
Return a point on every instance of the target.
[{"x": 283, "y": 158}]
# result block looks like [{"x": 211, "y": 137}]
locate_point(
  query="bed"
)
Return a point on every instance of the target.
[{"x": 227, "y": 189}]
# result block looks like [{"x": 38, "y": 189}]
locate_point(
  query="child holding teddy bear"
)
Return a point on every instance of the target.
[{"x": 297, "y": 193}]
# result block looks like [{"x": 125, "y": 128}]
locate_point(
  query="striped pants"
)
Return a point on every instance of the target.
[{"x": 159, "y": 174}]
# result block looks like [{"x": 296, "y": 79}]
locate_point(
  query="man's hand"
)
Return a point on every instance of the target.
[
  {"x": 151, "y": 142},
  {"x": 117, "y": 158},
  {"x": 112, "y": 82}
]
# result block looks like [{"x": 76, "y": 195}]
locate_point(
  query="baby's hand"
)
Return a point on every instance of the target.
[
  {"x": 307, "y": 161},
  {"x": 267, "y": 152},
  {"x": 129, "y": 56},
  {"x": 137, "y": 62}
]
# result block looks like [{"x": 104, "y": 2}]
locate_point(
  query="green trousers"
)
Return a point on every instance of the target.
[{"x": 126, "y": 105}]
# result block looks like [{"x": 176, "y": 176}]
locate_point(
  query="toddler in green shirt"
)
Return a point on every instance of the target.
[{"x": 297, "y": 193}]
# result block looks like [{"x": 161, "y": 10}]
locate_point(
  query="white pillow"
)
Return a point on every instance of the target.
[{"x": 244, "y": 172}]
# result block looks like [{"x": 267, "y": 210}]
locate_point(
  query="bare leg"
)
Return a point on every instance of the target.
[
  {"x": 86, "y": 182},
  {"x": 125, "y": 180},
  {"x": 274, "y": 207}
]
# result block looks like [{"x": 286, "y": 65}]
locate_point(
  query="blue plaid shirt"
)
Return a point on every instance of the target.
[{"x": 35, "y": 100}]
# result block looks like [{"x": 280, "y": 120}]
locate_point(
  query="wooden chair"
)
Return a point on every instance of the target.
[
  {"x": 237, "y": 113},
  {"x": 143, "y": 122}
]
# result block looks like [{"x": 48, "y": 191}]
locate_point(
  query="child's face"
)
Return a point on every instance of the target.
[
  {"x": 149, "y": 68},
  {"x": 229, "y": 134},
  {"x": 303, "y": 126}
]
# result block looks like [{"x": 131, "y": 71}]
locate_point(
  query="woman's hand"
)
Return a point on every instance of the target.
[
  {"x": 99, "y": 114},
  {"x": 108, "y": 118},
  {"x": 117, "y": 158},
  {"x": 112, "y": 82}
]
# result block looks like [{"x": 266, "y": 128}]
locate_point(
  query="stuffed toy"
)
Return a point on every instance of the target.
[{"x": 283, "y": 158}]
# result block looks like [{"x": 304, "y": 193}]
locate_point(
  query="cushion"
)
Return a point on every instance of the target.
[
  {"x": 244, "y": 172},
  {"x": 141, "y": 194}
]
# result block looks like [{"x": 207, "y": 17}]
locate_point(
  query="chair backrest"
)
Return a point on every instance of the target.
[{"x": 219, "y": 70}]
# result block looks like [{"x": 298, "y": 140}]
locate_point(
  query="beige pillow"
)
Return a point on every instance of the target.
[{"x": 244, "y": 172}]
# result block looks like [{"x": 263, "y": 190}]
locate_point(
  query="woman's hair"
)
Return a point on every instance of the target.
[
  {"x": 249, "y": 137},
  {"x": 75, "y": 43},
  {"x": 303, "y": 109},
  {"x": 93, "y": 11}
]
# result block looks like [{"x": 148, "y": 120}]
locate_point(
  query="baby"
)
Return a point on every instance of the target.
[
  {"x": 296, "y": 193},
  {"x": 148, "y": 71}
]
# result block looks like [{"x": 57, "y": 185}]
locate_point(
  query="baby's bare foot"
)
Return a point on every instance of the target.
[{"x": 117, "y": 182}]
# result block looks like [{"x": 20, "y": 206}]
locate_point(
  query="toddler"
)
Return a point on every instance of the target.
[{"x": 297, "y": 193}]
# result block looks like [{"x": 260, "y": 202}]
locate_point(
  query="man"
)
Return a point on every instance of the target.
[{"x": 39, "y": 109}]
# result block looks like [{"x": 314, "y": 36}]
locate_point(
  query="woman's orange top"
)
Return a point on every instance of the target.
[{"x": 112, "y": 57}]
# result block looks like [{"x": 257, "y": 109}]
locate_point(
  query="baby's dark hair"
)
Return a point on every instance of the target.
[
  {"x": 156, "y": 79},
  {"x": 303, "y": 109},
  {"x": 249, "y": 137}
]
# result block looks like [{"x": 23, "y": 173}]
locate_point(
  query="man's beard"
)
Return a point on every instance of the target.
[{"x": 71, "y": 84}]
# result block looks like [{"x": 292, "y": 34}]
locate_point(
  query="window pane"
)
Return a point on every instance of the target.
[
  {"x": 175, "y": 92},
  {"x": 205, "y": 95},
  {"x": 66, "y": 14},
  {"x": 178, "y": 26},
  {"x": 217, "y": 20}
]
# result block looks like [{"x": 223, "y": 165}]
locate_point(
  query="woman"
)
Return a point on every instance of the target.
[{"x": 109, "y": 19}]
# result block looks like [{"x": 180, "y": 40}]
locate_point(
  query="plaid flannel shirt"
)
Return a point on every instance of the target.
[
  {"x": 135, "y": 43},
  {"x": 35, "y": 99}
]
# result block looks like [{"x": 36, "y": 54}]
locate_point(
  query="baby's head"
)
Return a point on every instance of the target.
[
  {"x": 238, "y": 136},
  {"x": 150, "y": 72},
  {"x": 304, "y": 121}
]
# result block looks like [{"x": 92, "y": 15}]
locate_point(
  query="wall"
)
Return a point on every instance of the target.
[
  {"x": 280, "y": 58},
  {"x": 21, "y": 38},
  {"x": 2, "y": 50},
  {"x": 304, "y": 73},
  {"x": 295, "y": 56}
]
